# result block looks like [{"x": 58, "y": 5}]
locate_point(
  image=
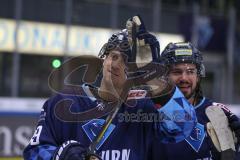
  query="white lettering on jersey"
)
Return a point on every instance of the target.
[
  {"x": 115, "y": 155},
  {"x": 123, "y": 154}
]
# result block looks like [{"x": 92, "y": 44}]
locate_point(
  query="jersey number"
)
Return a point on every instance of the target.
[{"x": 35, "y": 139}]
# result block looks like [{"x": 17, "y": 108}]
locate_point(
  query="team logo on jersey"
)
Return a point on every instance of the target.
[
  {"x": 196, "y": 138},
  {"x": 136, "y": 94},
  {"x": 133, "y": 95},
  {"x": 93, "y": 128}
]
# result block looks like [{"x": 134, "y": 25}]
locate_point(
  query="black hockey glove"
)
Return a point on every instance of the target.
[
  {"x": 148, "y": 51},
  {"x": 146, "y": 43},
  {"x": 73, "y": 150},
  {"x": 234, "y": 123}
]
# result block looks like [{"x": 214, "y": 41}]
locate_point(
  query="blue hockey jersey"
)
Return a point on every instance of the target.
[
  {"x": 198, "y": 146},
  {"x": 129, "y": 136}
]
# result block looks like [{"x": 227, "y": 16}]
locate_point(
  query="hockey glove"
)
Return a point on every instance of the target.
[
  {"x": 220, "y": 133},
  {"x": 147, "y": 50},
  {"x": 234, "y": 124},
  {"x": 233, "y": 120},
  {"x": 73, "y": 150},
  {"x": 147, "y": 45}
]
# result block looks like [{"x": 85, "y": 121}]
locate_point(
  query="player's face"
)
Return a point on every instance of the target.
[
  {"x": 114, "y": 69},
  {"x": 184, "y": 75}
]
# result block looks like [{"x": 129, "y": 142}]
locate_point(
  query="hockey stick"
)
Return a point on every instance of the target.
[
  {"x": 151, "y": 70},
  {"x": 108, "y": 121},
  {"x": 123, "y": 96}
]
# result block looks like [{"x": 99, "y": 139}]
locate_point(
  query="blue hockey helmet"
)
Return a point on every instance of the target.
[
  {"x": 175, "y": 53},
  {"x": 117, "y": 41}
]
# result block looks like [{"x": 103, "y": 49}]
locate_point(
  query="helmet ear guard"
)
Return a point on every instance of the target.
[{"x": 202, "y": 71}]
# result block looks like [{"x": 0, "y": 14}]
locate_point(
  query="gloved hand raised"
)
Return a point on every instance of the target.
[
  {"x": 146, "y": 49},
  {"x": 145, "y": 44}
]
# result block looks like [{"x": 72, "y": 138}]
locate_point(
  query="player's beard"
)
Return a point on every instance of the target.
[{"x": 190, "y": 94}]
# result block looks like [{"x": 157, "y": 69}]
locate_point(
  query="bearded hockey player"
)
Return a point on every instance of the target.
[{"x": 212, "y": 137}]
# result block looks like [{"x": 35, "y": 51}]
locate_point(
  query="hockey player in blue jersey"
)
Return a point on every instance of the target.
[
  {"x": 212, "y": 138},
  {"x": 128, "y": 136}
]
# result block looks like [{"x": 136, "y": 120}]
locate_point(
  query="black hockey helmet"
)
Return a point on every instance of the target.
[
  {"x": 175, "y": 53},
  {"x": 117, "y": 41}
]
